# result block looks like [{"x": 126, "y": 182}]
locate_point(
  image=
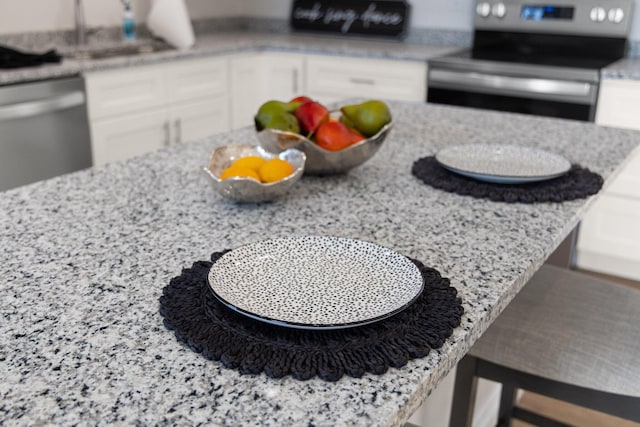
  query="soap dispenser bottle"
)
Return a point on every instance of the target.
[{"x": 128, "y": 22}]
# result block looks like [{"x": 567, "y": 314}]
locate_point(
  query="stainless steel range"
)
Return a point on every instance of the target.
[{"x": 538, "y": 57}]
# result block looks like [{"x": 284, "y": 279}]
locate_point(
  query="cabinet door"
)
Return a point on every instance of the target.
[
  {"x": 199, "y": 119},
  {"x": 117, "y": 92},
  {"x": 257, "y": 78},
  {"x": 197, "y": 79},
  {"x": 627, "y": 183},
  {"x": 132, "y": 135},
  {"x": 619, "y": 104},
  {"x": 609, "y": 239},
  {"x": 246, "y": 89},
  {"x": 282, "y": 75},
  {"x": 330, "y": 79}
]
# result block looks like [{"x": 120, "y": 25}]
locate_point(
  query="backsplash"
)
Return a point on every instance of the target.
[{"x": 66, "y": 38}]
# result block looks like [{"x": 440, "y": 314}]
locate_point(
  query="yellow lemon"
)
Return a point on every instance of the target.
[
  {"x": 275, "y": 170},
  {"x": 251, "y": 162},
  {"x": 240, "y": 172}
]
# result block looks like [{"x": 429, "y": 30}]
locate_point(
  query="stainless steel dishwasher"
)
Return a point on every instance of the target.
[{"x": 44, "y": 131}]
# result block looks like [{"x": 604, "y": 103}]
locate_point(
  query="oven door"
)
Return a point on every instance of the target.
[{"x": 538, "y": 95}]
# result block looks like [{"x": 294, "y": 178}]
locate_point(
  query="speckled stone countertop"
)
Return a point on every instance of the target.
[
  {"x": 235, "y": 42},
  {"x": 84, "y": 258},
  {"x": 241, "y": 41},
  {"x": 628, "y": 69}
]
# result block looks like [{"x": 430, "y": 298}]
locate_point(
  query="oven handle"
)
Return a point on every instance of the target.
[{"x": 550, "y": 89}]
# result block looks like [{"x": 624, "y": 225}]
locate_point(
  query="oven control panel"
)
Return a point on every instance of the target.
[{"x": 611, "y": 18}]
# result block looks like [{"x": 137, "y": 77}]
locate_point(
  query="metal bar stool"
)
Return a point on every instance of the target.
[{"x": 567, "y": 336}]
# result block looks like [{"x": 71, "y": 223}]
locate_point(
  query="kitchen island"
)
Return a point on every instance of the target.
[{"x": 84, "y": 259}]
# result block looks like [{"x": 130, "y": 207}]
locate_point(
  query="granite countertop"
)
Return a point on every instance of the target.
[
  {"x": 628, "y": 68},
  {"x": 235, "y": 42},
  {"x": 238, "y": 41},
  {"x": 84, "y": 258}
]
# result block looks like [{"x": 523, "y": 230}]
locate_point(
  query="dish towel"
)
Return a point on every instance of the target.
[{"x": 13, "y": 58}]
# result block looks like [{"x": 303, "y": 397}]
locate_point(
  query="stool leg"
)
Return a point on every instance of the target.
[
  {"x": 507, "y": 400},
  {"x": 464, "y": 393}
]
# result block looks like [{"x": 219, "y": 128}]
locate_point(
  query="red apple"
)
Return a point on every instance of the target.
[
  {"x": 335, "y": 136},
  {"x": 301, "y": 99},
  {"x": 311, "y": 115}
]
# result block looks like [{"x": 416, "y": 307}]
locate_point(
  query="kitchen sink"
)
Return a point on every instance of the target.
[{"x": 117, "y": 51}]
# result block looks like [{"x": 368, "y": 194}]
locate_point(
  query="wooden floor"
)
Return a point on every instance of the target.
[{"x": 566, "y": 412}]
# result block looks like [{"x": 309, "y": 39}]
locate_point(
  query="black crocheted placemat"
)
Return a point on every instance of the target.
[
  {"x": 206, "y": 326},
  {"x": 575, "y": 184}
]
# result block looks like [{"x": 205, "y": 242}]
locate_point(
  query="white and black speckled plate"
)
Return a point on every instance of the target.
[
  {"x": 315, "y": 282},
  {"x": 503, "y": 164}
]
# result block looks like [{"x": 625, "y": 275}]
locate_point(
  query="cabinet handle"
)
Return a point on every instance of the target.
[
  {"x": 178, "y": 125},
  {"x": 167, "y": 136},
  {"x": 362, "y": 81}
]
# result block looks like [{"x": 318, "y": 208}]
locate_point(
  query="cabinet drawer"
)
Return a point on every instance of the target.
[
  {"x": 339, "y": 78},
  {"x": 111, "y": 93},
  {"x": 619, "y": 104},
  {"x": 197, "y": 79}
]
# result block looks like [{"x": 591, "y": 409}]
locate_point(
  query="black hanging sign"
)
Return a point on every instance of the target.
[{"x": 383, "y": 17}]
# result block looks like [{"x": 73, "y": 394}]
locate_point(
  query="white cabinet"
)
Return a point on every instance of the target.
[
  {"x": 198, "y": 120},
  {"x": 282, "y": 75},
  {"x": 134, "y": 111},
  {"x": 260, "y": 77},
  {"x": 246, "y": 89},
  {"x": 191, "y": 99},
  {"x": 118, "y": 92},
  {"x": 619, "y": 104},
  {"x": 332, "y": 79},
  {"x": 609, "y": 238},
  {"x": 120, "y": 138}
]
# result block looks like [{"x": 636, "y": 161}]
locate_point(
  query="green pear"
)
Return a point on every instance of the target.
[
  {"x": 284, "y": 121},
  {"x": 368, "y": 117},
  {"x": 348, "y": 123},
  {"x": 271, "y": 108}
]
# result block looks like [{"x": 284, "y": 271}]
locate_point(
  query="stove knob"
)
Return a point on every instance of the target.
[
  {"x": 483, "y": 9},
  {"x": 499, "y": 10},
  {"x": 598, "y": 14},
  {"x": 616, "y": 15}
]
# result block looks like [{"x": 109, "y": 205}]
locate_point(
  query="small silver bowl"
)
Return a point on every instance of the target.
[
  {"x": 319, "y": 160},
  {"x": 247, "y": 189}
]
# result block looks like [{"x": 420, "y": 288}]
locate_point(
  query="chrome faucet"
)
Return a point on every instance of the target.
[{"x": 81, "y": 40}]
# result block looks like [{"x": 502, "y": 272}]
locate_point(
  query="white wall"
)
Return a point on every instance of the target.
[
  {"x": 437, "y": 14},
  {"x": 17, "y": 16}
]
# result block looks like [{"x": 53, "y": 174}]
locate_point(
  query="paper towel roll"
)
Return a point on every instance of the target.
[{"x": 169, "y": 20}]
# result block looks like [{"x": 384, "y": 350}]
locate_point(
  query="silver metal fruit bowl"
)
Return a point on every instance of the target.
[
  {"x": 247, "y": 189},
  {"x": 319, "y": 160}
]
